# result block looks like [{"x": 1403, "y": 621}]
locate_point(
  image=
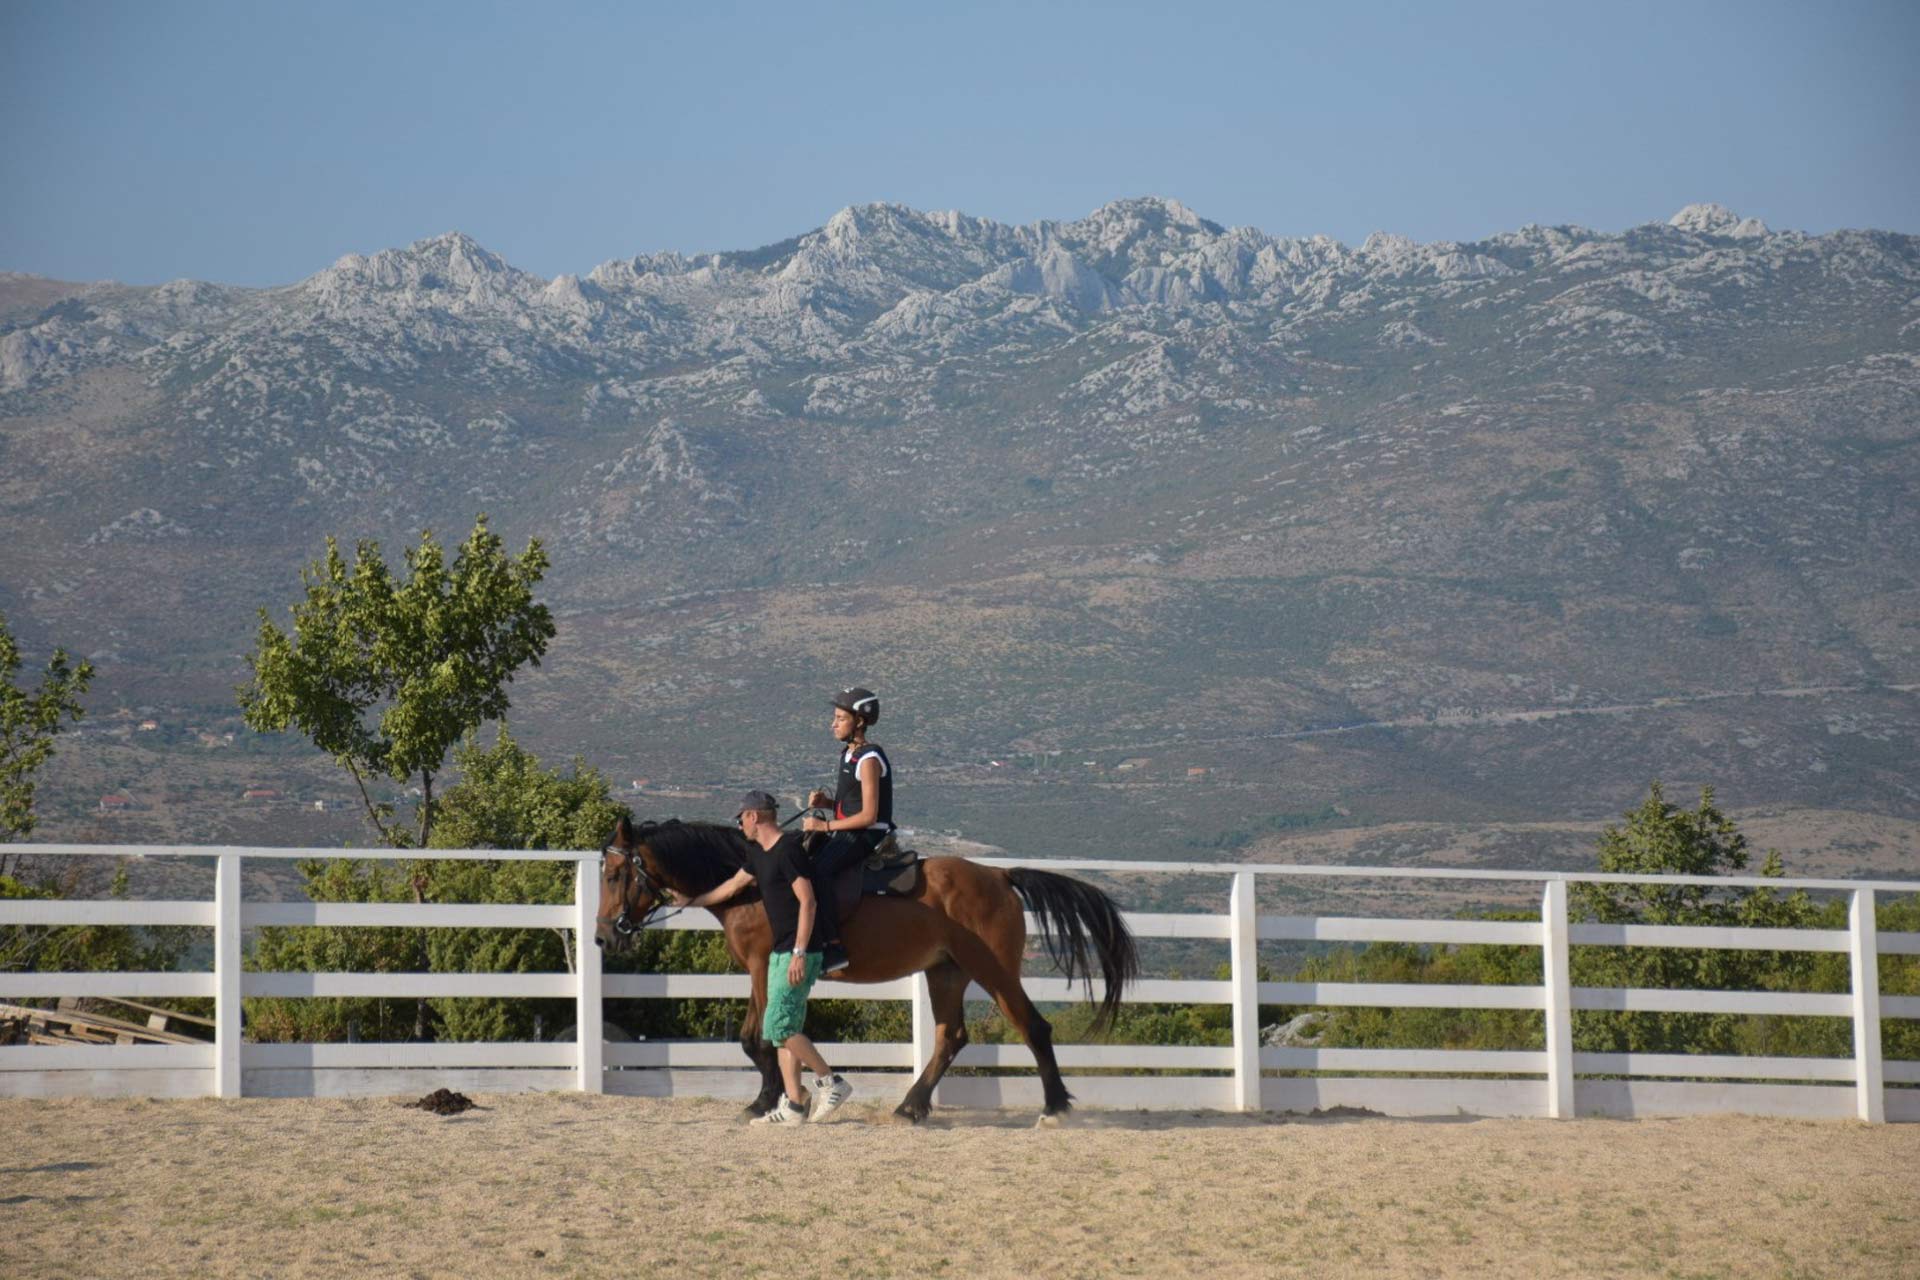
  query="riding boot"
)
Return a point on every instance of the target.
[{"x": 833, "y": 955}]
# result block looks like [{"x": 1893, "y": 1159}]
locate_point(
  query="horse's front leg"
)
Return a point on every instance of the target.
[{"x": 764, "y": 1056}]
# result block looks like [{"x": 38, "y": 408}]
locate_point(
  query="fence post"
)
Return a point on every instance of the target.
[
  {"x": 1868, "y": 1071},
  {"x": 1557, "y": 977},
  {"x": 588, "y": 1030},
  {"x": 226, "y": 976},
  {"x": 1244, "y": 939}
]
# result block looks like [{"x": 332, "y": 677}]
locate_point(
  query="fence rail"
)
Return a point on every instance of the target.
[{"x": 1552, "y": 1081}]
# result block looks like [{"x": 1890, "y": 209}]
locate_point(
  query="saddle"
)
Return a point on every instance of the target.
[{"x": 888, "y": 872}]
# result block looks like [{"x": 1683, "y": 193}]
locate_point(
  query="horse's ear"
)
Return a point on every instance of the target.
[{"x": 623, "y": 833}]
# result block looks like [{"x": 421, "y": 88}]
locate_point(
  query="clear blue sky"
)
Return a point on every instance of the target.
[{"x": 254, "y": 143}]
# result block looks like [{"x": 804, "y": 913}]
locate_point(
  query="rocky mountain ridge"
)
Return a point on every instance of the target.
[{"x": 888, "y": 276}]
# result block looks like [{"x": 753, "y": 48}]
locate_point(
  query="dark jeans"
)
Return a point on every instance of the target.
[{"x": 841, "y": 849}]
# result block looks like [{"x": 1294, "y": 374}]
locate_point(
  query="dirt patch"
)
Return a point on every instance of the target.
[
  {"x": 567, "y": 1185},
  {"x": 444, "y": 1102}
]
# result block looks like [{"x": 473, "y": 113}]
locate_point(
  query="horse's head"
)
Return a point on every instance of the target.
[
  {"x": 642, "y": 867},
  {"x": 631, "y": 891}
]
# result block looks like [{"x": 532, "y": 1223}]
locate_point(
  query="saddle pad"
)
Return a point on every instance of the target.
[
  {"x": 896, "y": 880},
  {"x": 850, "y": 884}
]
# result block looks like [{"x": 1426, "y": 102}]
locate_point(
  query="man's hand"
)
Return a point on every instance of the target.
[
  {"x": 738, "y": 881},
  {"x": 797, "y": 969}
]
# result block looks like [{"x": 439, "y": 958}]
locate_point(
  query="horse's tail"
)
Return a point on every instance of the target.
[{"x": 1080, "y": 925}]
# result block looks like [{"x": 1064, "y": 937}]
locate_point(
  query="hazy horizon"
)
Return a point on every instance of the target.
[{"x": 581, "y": 269}]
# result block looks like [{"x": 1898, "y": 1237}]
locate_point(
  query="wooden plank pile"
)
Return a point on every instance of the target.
[{"x": 71, "y": 1023}]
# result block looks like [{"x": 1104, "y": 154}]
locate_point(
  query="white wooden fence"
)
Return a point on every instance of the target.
[{"x": 1554, "y": 1081}]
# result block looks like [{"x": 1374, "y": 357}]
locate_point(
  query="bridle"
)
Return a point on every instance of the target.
[{"x": 634, "y": 875}]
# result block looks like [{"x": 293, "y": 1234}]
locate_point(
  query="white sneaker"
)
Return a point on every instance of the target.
[
  {"x": 784, "y": 1113},
  {"x": 828, "y": 1094}
]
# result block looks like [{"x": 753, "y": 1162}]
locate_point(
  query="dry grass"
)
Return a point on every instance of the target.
[{"x": 562, "y": 1185}]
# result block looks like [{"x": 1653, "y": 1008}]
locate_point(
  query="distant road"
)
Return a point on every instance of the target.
[
  {"x": 1471, "y": 719},
  {"x": 1608, "y": 709}
]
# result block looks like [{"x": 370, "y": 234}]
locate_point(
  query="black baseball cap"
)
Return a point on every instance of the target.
[{"x": 758, "y": 801}]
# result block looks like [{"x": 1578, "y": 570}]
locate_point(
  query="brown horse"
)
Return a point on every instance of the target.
[{"x": 966, "y": 922}]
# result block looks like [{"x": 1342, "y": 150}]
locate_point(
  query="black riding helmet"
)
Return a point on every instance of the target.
[{"x": 864, "y": 703}]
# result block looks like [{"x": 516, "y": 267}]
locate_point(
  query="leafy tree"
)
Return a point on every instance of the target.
[
  {"x": 1832, "y": 972},
  {"x": 1658, "y": 838},
  {"x": 506, "y": 799},
  {"x": 387, "y": 675},
  {"x": 1473, "y": 964},
  {"x": 28, "y": 723},
  {"x": 327, "y": 949}
]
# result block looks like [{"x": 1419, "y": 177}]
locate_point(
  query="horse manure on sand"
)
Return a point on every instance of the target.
[{"x": 444, "y": 1102}]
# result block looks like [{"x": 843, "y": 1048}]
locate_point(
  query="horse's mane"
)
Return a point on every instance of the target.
[{"x": 693, "y": 856}]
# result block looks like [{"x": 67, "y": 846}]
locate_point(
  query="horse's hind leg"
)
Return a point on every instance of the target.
[
  {"x": 1002, "y": 982},
  {"x": 947, "y": 989},
  {"x": 1038, "y": 1033}
]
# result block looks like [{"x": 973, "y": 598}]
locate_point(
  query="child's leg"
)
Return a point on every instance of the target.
[
  {"x": 790, "y": 1072},
  {"x": 800, "y": 1051}
]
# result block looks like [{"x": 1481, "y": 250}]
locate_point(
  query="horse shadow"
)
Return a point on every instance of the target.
[{"x": 1141, "y": 1121}]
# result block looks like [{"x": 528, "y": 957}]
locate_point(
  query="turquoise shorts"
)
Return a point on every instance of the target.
[{"x": 787, "y": 1004}]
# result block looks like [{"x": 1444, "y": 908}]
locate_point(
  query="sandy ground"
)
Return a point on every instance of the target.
[{"x": 564, "y": 1185}]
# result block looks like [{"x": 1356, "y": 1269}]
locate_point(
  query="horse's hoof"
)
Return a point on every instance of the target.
[
  {"x": 1053, "y": 1120},
  {"x": 909, "y": 1115},
  {"x": 749, "y": 1114}
]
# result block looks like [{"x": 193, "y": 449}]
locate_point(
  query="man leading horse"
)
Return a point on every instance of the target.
[
  {"x": 958, "y": 922},
  {"x": 777, "y": 863}
]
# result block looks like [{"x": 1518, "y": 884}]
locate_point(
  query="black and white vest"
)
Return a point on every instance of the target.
[{"x": 846, "y": 796}]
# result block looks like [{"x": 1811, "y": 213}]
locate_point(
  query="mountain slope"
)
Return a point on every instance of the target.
[{"x": 1074, "y": 487}]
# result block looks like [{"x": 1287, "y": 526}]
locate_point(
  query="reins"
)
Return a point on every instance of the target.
[{"x": 800, "y": 813}]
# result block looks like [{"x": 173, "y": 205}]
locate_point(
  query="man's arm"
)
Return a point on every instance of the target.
[
  {"x": 720, "y": 893},
  {"x": 809, "y": 906}
]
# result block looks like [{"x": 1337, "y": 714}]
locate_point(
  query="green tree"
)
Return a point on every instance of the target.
[
  {"x": 387, "y": 675},
  {"x": 1658, "y": 838},
  {"x": 331, "y": 949},
  {"x": 1473, "y": 964},
  {"x": 28, "y": 723},
  {"x": 505, "y": 799}
]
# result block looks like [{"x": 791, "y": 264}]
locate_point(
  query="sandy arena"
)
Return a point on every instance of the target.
[{"x": 566, "y": 1185}]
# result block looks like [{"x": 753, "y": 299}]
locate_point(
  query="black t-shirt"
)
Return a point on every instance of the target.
[{"x": 775, "y": 870}]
